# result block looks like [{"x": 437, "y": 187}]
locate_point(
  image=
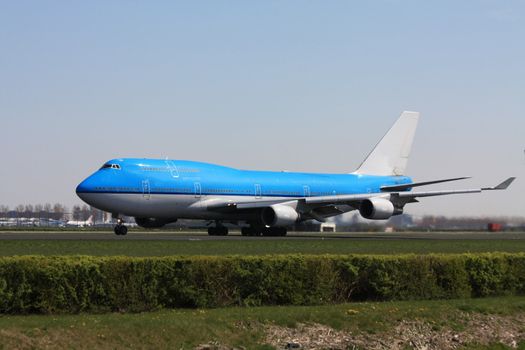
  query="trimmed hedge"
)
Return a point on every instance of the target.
[{"x": 36, "y": 284}]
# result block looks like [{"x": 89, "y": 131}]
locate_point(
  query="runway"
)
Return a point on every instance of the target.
[{"x": 202, "y": 236}]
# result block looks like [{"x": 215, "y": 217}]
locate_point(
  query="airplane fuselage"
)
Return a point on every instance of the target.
[{"x": 176, "y": 189}]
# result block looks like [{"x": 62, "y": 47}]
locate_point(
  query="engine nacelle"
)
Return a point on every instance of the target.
[
  {"x": 378, "y": 209},
  {"x": 153, "y": 222},
  {"x": 279, "y": 215}
]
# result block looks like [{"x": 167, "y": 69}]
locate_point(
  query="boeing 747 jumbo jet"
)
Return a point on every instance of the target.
[{"x": 157, "y": 192}]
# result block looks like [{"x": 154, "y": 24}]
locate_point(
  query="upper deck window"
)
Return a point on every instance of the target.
[{"x": 109, "y": 165}]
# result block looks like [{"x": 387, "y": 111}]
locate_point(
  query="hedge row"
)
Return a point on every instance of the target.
[{"x": 37, "y": 284}]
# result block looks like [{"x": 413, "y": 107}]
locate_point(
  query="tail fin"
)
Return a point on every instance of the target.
[{"x": 390, "y": 155}]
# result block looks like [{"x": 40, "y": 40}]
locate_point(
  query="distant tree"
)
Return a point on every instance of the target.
[
  {"x": 47, "y": 210},
  {"x": 4, "y": 209},
  {"x": 20, "y": 209},
  {"x": 98, "y": 215},
  {"x": 58, "y": 211},
  {"x": 39, "y": 208},
  {"x": 28, "y": 211},
  {"x": 85, "y": 212},
  {"x": 76, "y": 212}
]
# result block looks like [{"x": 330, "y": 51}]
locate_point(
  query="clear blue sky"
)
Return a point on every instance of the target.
[{"x": 295, "y": 85}]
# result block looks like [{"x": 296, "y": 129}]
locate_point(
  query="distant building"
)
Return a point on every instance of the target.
[{"x": 328, "y": 227}]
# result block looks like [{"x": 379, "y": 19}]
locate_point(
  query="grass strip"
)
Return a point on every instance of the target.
[
  {"x": 249, "y": 328},
  {"x": 255, "y": 247}
]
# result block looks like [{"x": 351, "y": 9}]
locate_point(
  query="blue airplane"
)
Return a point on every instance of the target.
[{"x": 157, "y": 192}]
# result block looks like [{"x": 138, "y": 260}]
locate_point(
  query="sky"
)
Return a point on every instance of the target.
[{"x": 272, "y": 85}]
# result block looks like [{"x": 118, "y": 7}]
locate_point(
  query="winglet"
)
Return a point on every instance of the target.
[{"x": 502, "y": 186}]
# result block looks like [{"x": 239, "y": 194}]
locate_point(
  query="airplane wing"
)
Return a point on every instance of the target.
[
  {"x": 401, "y": 198},
  {"x": 322, "y": 207}
]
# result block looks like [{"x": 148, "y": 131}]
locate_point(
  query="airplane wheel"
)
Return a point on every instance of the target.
[
  {"x": 269, "y": 232},
  {"x": 123, "y": 230},
  {"x": 120, "y": 230},
  {"x": 250, "y": 231},
  {"x": 218, "y": 231}
]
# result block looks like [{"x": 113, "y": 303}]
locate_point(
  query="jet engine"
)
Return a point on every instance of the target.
[
  {"x": 153, "y": 222},
  {"x": 378, "y": 209},
  {"x": 279, "y": 215}
]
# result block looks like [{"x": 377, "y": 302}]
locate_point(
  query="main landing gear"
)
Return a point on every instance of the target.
[
  {"x": 120, "y": 229},
  {"x": 218, "y": 230},
  {"x": 264, "y": 231}
]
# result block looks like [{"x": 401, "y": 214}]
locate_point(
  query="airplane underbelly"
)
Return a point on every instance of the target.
[
  {"x": 167, "y": 206},
  {"x": 135, "y": 204}
]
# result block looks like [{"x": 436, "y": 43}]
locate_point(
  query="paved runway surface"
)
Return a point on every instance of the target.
[{"x": 188, "y": 236}]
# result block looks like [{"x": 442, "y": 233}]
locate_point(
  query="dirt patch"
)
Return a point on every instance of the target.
[
  {"x": 37, "y": 339},
  {"x": 214, "y": 345},
  {"x": 416, "y": 334}
]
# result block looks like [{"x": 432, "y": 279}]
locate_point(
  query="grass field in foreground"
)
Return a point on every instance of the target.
[
  {"x": 252, "y": 328},
  {"x": 254, "y": 247}
]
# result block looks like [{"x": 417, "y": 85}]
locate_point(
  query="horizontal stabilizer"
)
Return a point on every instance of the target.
[{"x": 417, "y": 184}]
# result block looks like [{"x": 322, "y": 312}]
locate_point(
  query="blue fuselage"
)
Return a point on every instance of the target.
[{"x": 182, "y": 189}]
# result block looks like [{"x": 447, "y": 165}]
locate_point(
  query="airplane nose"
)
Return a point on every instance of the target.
[
  {"x": 86, "y": 186},
  {"x": 81, "y": 187}
]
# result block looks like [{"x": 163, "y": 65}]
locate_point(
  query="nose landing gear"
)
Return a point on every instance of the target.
[{"x": 120, "y": 229}]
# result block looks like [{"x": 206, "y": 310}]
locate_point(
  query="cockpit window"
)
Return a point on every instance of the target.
[{"x": 109, "y": 165}]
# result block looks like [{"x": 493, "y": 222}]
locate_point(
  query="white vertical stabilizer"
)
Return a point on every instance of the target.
[{"x": 390, "y": 155}]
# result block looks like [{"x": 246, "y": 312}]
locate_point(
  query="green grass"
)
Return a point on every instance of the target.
[
  {"x": 253, "y": 246},
  {"x": 235, "y": 327}
]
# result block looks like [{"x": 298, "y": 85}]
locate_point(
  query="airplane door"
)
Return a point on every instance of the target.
[
  {"x": 306, "y": 190},
  {"x": 258, "y": 192},
  {"x": 146, "y": 193},
  {"x": 197, "y": 187}
]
